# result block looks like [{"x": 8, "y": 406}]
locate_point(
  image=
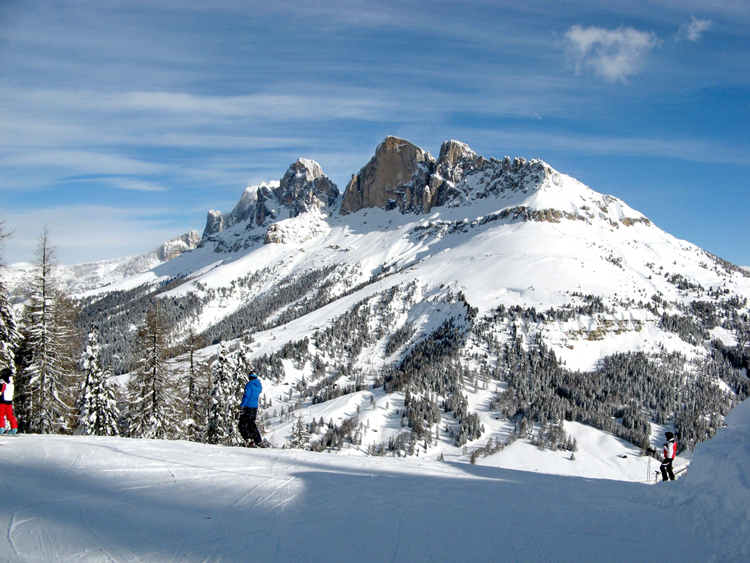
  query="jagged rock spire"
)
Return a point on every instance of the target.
[
  {"x": 303, "y": 187},
  {"x": 384, "y": 181},
  {"x": 404, "y": 176}
]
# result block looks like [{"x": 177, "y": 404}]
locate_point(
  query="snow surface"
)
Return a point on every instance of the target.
[
  {"x": 716, "y": 489},
  {"x": 92, "y": 499}
]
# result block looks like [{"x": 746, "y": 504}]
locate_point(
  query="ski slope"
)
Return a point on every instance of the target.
[{"x": 90, "y": 499}]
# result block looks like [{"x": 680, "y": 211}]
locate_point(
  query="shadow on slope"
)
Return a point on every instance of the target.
[{"x": 125, "y": 500}]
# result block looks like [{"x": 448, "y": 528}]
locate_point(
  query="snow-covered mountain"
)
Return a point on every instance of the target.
[
  {"x": 451, "y": 303},
  {"x": 88, "y": 276},
  {"x": 303, "y": 189}
]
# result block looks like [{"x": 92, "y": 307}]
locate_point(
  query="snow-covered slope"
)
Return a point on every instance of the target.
[
  {"x": 716, "y": 490},
  {"x": 92, "y": 499}
]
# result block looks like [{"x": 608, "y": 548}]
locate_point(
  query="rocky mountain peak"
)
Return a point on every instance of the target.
[
  {"x": 404, "y": 176},
  {"x": 256, "y": 204},
  {"x": 303, "y": 168},
  {"x": 303, "y": 187},
  {"x": 455, "y": 158},
  {"x": 384, "y": 181},
  {"x": 453, "y": 151}
]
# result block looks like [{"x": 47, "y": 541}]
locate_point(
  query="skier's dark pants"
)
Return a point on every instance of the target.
[
  {"x": 666, "y": 470},
  {"x": 248, "y": 429}
]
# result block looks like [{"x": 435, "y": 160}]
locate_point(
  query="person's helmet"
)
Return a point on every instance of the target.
[
  {"x": 6, "y": 374},
  {"x": 669, "y": 435},
  {"x": 252, "y": 375}
]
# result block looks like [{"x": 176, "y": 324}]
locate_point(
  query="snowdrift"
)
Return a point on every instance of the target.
[{"x": 716, "y": 489}]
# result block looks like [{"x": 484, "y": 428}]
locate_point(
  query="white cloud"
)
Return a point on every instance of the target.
[
  {"x": 80, "y": 162},
  {"x": 83, "y": 233},
  {"x": 694, "y": 30},
  {"x": 125, "y": 183},
  {"x": 611, "y": 54}
]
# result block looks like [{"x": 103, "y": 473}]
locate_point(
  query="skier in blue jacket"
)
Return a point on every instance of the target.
[{"x": 248, "y": 428}]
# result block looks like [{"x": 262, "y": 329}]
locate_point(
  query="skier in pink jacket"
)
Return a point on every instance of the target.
[{"x": 670, "y": 451}]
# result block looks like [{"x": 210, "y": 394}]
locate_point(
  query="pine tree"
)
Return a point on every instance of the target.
[
  {"x": 300, "y": 436},
  {"x": 97, "y": 405},
  {"x": 243, "y": 365},
  {"x": 195, "y": 385},
  {"x": 150, "y": 390},
  {"x": 9, "y": 336},
  {"x": 45, "y": 384},
  {"x": 223, "y": 403}
]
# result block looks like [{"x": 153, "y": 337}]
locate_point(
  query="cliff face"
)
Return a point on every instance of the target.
[
  {"x": 403, "y": 176},
  {"x": 394, "y": 177}
]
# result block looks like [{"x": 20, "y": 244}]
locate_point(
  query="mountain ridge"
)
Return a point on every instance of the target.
[
  {"x": 91, "y": 276},
  {"x": 303, "y": 188}
]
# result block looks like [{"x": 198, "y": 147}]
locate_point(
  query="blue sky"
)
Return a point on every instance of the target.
[{"x": 123, "y": 123}]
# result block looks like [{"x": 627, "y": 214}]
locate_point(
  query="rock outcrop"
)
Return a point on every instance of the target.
[
  {"x": 304, "y": 187},
  {"x": 405, "y": 177},
  {"x": 176, "y": 246},
  {"x": 295, "y": 230},
  {"x": 393, "y": 177}
]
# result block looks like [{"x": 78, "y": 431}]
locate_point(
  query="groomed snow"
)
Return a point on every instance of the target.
[{"x": 89, "y": 499}]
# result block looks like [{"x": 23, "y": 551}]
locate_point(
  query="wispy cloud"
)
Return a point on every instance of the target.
[
  {"x": 612, "y": 54},
  {"x": 136, "y": 184},
  {"x": 82, "y": 160},
  {"x": 694, "y": 30},
  {"x": 534, "y": 144},
  {"x": 88, "y": 232}
]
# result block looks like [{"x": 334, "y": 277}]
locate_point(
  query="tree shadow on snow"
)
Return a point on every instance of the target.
[{"x": 320, "y": 512}]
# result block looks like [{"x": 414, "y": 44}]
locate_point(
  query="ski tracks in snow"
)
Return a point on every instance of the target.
[{"x": 124, "y": 501}]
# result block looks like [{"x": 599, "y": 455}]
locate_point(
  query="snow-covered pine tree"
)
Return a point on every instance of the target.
[
  {"x": 97, "y": 404},
  {"x": 9, "y": 335},
  {"x": 223, "y": 403},
  {"x": 195, "y": 385},
  {"x": 150, "y": 390},
  {"x": 242, "y": 362},
  {"x": 300, "y": 436},
  {"x": 44, "y": 387}
]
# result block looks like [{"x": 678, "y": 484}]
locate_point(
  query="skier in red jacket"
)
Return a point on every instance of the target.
[
  {"x": 6, "y": 401},
  {"x": 670, "y": 451}
]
